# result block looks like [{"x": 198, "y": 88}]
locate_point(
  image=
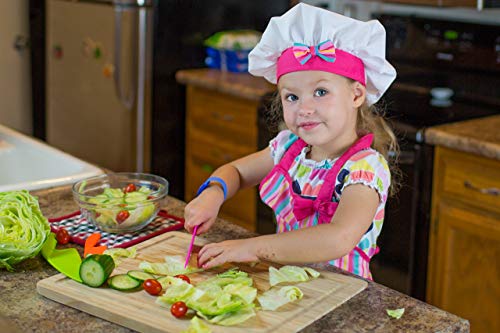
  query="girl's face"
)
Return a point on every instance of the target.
[{"x": 321, "y": 107}]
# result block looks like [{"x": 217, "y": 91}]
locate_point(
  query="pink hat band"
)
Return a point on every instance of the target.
[{"x": 322, "y": 57}]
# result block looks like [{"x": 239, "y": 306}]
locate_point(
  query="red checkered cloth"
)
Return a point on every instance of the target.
[{"x": 79, "y": 229}]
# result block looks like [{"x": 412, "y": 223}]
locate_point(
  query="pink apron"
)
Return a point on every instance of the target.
[{"x": 296, "y": 212}]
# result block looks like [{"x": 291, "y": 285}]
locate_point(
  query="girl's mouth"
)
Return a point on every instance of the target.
[{"x": 308, "y": 126}]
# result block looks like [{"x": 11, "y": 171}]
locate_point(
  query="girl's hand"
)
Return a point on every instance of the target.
[
  {"x": 215, "y": 254},
  {"x": 203, "y": 210}
]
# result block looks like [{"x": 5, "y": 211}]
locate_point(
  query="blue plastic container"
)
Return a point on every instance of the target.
[{"x": 227, "y": 60}]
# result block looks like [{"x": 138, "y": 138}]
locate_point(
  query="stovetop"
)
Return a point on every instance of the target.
[{"x": 447, "y": 71}]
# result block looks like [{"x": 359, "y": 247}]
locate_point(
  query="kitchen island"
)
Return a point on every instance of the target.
[{"x": 22, "y": 309}]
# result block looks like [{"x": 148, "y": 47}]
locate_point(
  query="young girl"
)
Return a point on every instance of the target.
[{"x": 326, "y": 177}]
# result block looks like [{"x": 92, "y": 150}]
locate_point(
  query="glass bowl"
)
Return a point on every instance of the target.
[{"x": 121, "y": 202}]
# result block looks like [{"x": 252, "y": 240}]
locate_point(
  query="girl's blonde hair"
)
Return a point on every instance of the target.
[{"x": 370, "y": 119}]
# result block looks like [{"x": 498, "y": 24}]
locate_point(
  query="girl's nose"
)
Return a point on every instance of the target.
[{"x": 306, "y": 107}]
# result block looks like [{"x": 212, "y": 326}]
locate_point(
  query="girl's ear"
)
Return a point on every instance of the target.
[{"x": 359, "y": 94}]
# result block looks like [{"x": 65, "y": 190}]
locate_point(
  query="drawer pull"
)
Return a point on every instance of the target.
[
  {"x": 226, "y": 117},
  {"x": 490, "y": 191}
]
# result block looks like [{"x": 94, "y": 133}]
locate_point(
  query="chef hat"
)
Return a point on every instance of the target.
[{"x": 311, "y": 38}]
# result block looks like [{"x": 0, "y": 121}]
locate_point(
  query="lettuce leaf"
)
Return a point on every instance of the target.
[
  {"x": 23, "y": 228},
  {"x": 275, "y": 298},
  {"x": 397, "y": 313},
  {"x": 231, "y": 318},
  {"x": 197, "y": 326},
  {"x": 118, "y": 254},
  {"x": 173, "y": 265},
  {"x": 291, "y": 274}
]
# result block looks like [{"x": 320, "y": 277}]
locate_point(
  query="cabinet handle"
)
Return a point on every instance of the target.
[
  {"x": 489, "y": 191},
  {"x": 226, "y": 117}
]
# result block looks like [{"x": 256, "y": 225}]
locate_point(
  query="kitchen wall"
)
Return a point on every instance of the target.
[{"x": 15, "y": 80}]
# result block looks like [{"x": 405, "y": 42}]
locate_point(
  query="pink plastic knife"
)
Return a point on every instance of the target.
[{"x": 191, "y": 246}]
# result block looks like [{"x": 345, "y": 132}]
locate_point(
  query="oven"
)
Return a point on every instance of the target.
[{"x": 447, "y": 72}]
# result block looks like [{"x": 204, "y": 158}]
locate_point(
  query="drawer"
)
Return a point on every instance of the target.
[
  {"x": 215, "y": 152},
  {"x": 240, "y": 209},
  {"x": 469, "y": 178},
  {"x": 222, "y": 116}
]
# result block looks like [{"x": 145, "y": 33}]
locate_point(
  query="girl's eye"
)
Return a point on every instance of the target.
[
  {"x": 291, "y": 97},
  {"x": 320, "y": 92}
]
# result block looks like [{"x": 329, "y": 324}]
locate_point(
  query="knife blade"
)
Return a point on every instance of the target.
[{"x": 190, "y": 249}]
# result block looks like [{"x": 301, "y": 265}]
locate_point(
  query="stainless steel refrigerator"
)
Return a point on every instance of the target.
[
  {"x": 75, "y": 101},
  {"x": 98, "y": 81}
]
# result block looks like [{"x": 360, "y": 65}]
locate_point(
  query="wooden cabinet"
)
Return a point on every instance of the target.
[
  {"x": 220, "y": 128},
  {"x": 464, "y": 253}
]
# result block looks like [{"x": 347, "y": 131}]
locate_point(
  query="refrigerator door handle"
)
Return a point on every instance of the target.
[{"x": 126, "y": 99}]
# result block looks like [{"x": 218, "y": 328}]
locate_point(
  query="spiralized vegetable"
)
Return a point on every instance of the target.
[{"x": 23, "y": 228}]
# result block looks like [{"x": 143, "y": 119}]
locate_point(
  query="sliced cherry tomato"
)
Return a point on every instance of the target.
[
  {"x": 129, "y": 188},
  {"x": 152, "y": 287},
  {"x": 151, "y": 197},
  {"x": 179, "y": 309},
  {"x": 122, "y": 216},
  {"x": 62, "y": 236},
  {"x": 184, "y": 277}
]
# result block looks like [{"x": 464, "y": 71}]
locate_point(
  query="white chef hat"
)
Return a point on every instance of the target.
[{"x": 311, "y": 38}]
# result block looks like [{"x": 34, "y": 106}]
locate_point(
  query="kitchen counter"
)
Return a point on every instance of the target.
[
  {"x": 23, "y": 308},
  {"x": 242, "y": 85},
  {"x": 479, "y": 136}
]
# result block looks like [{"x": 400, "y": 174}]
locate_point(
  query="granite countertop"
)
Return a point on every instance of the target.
[
  {"x": 479, "y": 136},
  {"x": 23, "y": 310},
  {"x": 242, "y": 85}
]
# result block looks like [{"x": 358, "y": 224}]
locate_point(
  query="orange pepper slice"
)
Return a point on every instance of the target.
[{"x": 90, "y": 243}]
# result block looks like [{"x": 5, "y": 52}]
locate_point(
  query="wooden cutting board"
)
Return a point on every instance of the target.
[{"x": 138, "y": 310}]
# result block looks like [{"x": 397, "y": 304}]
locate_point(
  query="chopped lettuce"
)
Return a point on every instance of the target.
[
  {"x": 275, "y": 298},
  {"x": 226, "y": 299},
  {"x": 23, "y": 228},
  {"x": 290, "y": 274},
  {"x": 243, "y": 291},
  {"x": 197, "y": 326},
  {"x": 231, "y": 318},
  {"x": 397, "y": 313},
  {"x": 118, "y": 253},
  {"x": 173, "y": 265},
  {"x": 113, "y": 200}
]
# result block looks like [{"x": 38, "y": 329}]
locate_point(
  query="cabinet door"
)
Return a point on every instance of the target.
[{"x": 464, "y": 264}]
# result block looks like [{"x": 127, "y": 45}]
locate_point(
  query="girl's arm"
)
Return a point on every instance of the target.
[
  {"x": 352, "y": 219},
  {"x": 242, "y": 173}
]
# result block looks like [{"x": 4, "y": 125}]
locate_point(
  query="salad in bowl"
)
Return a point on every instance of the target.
[{"x": 121, "y": 202}]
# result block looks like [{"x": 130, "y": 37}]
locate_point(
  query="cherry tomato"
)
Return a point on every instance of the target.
[
  {"x": 129, "y": 188},
  {"x": 179, "y": 309},
  {"x": 184, "y": 277},
  {"x": 62, "y": 236},
  {"x": 151, "y": 197},
  {"x": 122, "y": 216},
  {"x": 152, "y": 287}
]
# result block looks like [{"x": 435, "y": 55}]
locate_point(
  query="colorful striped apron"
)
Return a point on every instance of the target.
[{"x": 296, "y": 212}]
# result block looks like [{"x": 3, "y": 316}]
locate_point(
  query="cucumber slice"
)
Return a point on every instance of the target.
[
  {"x": 95, "y": 269},
  {"x": 123, "y": 282},
  {"x": 140, "y": 275}
]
